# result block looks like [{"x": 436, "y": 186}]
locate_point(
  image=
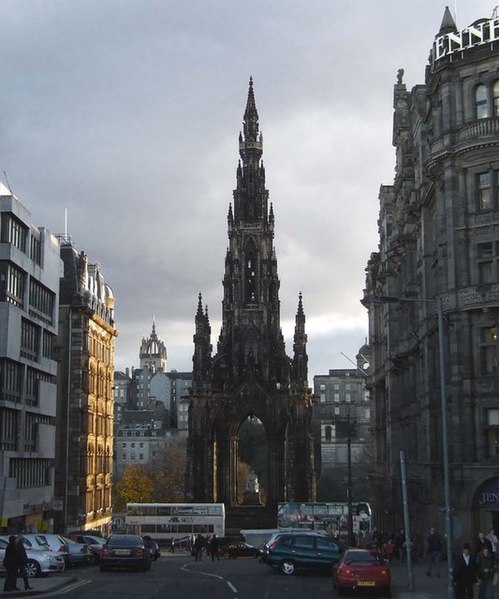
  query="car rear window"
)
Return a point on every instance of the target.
[{"x": 124, "y": 540}]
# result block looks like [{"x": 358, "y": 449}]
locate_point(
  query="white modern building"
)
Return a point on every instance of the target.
[{"x": 29, "y": 286}]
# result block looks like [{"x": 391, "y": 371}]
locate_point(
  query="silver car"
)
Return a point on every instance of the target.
[
  {"x": 41, "y": 562},
  {"x": 45, "y": 540}
]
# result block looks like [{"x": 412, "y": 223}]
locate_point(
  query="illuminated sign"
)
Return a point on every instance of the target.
[{"x": 484, "y": 32}]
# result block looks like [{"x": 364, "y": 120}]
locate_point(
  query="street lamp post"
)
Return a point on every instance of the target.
[
  {"x": 445, "y": 441},
  {"x": 349, "y": 482}
]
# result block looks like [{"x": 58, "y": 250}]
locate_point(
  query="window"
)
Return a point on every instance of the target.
[
  {"x": 492, "y": 432},
  {"x": 323, "y": 397},
  {"x": 30, "y": 340},
  {"x": 484, "y": 195},
  {"x": 322, "y": 387},
  {"x": 41, "y": 301},
  {"x": 485, "y": 256},
  {"x": 12, "y": 284},
  {"x": 304, "y": 543},
  {"x": 337, "y": 397},
  {"x": 495, "y": 98},
  {"x": 481, "y": 110},
  {"x": 10, "y": 381},
  {"x": 336, "y": 411},
  {"x": 13, "y": 231},
  {"x": 488, "y": 350},
  {"x": 36, "y": 250}
]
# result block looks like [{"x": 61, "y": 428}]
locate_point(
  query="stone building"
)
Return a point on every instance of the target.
[
  {"x": 250, "y": 376},
  {"x": 29, "y": 288},
  {"x": 85, "y": 352},
  {"x": 439, "y": 246},
  {"x": 341, "y": 425},
  {"x": 150, "y": 407}
]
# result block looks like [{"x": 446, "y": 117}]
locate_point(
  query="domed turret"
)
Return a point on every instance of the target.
[{"x": 153, "y": 352}]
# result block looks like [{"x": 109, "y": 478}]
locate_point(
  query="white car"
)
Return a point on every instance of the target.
[
  {"x": 44, "y": 540},
  {"x": 41, "y": 562}
]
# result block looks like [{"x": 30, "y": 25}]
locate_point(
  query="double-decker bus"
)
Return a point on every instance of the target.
[
  {"x": 178, "y": 521},
  {"x": 328, "y": 516}
]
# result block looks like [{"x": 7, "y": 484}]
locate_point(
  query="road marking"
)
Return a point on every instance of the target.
[
  {"x": 227, "y": 582},
  {"x": 66, "y": 589}
]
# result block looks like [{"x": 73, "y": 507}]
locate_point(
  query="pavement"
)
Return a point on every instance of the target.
[
  {"x": 51, "y": 583},
  {"x": 423, "y": 587}
]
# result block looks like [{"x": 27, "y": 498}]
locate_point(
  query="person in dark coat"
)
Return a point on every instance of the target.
[
  {"x": 10, "y": 564},
  {"x": 22, "y": 560},
  {"x": 481, "y": 542},
  {"x": 485, "y": 570},
  {"x": 199, "y": 544},
  {"x": 214, "y": 548},
  {"x": 465, "y": 573}
]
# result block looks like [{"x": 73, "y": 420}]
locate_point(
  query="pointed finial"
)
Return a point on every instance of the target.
[
  {"x": 200, "y": 305},
  {"x": 448, "y": 24},
  {"x": 300, "y": 303}
]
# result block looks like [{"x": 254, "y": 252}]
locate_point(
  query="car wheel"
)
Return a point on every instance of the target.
[
  {"x": 288, "y": 567},
  {"x": 33, "y": 568}
]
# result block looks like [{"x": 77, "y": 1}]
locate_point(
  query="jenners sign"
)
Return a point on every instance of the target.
[{"x": 482, "y": 33}]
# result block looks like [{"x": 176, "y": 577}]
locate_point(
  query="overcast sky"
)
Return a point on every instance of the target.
[{"x": 126, "y": 113}]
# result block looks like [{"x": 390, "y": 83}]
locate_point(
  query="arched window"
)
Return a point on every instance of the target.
[
  {"x": 495, "y": 98},
  {"x": 481, "y": 108}
]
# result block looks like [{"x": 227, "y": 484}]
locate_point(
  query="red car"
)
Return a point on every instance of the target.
[{"x": 361, "y": 569}]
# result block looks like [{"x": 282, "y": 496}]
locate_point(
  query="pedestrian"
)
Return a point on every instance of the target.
[
  {"x": 465, "y": 573},
  {"x": 494, "y": 541},
  {"x": 399, "y": 542},
  {"x": 433, "y": 552},
  {"x": 485, "y": 570},
  {"x": 388, "y": 550},
  {"x": 172, "y": 545},
  {"x": 481, "y": 542},
  {"x": 214, "y": 547},
  {"x": 22, "y": 560},
  {"x": 198, "y": 548},
  {"x": 10, "y": 564}
]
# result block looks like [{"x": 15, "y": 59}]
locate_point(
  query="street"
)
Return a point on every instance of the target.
[{"x": 243, "y": 578}]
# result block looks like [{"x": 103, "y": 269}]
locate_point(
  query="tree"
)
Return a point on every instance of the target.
[
  {"x": 168, "y": 472},
  {"x": 136, "y": 486}
]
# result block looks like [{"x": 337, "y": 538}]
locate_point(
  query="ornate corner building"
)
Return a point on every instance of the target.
[
  {"x": 85, "y": 401},
  {"x": 439, "y": 245},
  {"x": 250, "y": 375}
]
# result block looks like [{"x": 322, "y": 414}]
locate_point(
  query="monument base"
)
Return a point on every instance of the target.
[{"x": 251, "y": 498}]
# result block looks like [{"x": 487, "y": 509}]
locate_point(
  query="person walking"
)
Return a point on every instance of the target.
[
  {"x": 465, "y": 573},
  {"x": 434, "y": 552},
  {"x": 10, "y": 564},
  {"x": 214, "y": 548},
  {"x": 485, "y": 571},
  {"x": 172, "y": 545},
  {"x": 22, "y": 560},
  {"x": 198, "y": 548}
]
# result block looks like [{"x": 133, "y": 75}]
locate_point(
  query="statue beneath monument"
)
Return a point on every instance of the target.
[{"x": 251, "y": 494}]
